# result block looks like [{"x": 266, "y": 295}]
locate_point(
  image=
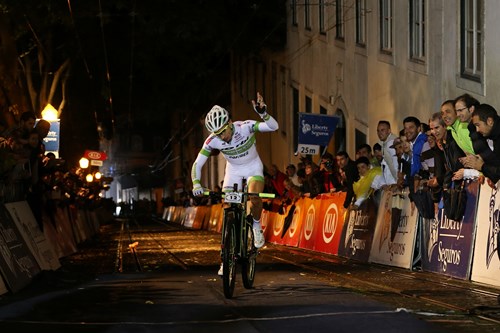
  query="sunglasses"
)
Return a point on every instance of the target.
[{"x": 219, "y": 132}]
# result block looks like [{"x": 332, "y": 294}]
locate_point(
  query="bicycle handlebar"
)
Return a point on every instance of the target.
[{"x": 262, "y": 195}]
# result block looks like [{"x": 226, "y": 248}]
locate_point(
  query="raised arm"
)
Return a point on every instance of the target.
[{"x": 270, "y": 124}]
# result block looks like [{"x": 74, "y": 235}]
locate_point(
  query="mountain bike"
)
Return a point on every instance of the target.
[{"x": 237, "y": 245}]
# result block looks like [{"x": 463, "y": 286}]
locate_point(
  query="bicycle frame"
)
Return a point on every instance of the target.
[{"x": 237, "y": 242}]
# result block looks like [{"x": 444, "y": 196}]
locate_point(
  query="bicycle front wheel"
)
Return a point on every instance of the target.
[
  {"x": 248, "y": 263},
  {"x": 229, "y": 258}
]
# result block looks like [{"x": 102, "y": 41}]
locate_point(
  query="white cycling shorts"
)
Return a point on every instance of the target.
[{"x": 236, "y": 173}]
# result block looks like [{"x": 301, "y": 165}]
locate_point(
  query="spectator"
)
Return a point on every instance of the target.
[
  {"x": 312, "y": 184},
  {"x": 459, "y": 130},
  {"x": 329, "y": 175},
  {"x": 418, "y": 143},
  {"x": 349, "y": 174},
  {"x": 291, "y": 172},
  {"x": 487, "y": 123},
  {"x": 366, "y": 150},
  {"x": 402, "y": 149},
  {"x": 389, "y": 163},
  {"x": 377, "y": 153},
  {"x": 449, "y": 163},
  {"x": 277, "y": 180},
  {"x": 370, "y": 181},
  {"x": 465, "y": 105}
]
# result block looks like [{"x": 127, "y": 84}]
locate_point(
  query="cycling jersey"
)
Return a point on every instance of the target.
[{"x": 241, "y": 154}]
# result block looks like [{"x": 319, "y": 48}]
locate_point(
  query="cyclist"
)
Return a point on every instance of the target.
[{"x": 236, "y": 142}]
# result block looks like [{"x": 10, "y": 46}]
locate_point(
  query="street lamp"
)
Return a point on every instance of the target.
[
  {"x": 49, "y": 113},
  {"x": 84, "y": 163}
]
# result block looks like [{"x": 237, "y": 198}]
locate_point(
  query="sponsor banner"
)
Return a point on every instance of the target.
[
  {"x": 215, "y": 220},
  {"x": 447, "y": 244},
  {"x": 51, "y": 234},
  {"x": 206, "y": 217},
  {"x": 78, "y": 224},
  {"x": 179, "y": 214},
  {"x": 17, "y": 263},
  {"x": 64, "y": 231},
  {"x": 357, "y": 233},
  {"x": 266, "y": 221},
  {"x": 316, "y": 129},
  {"x": 274, "y": 233},
  {"x": 310, "y": 224},
  {"x": 167, "y": 213},
  {"x": 292, "y": 234},
  {"x": 395, "y": 231},
  {"x": 189, "y": 217},
  {"x": 331, "y": 222},
  {"x": 201, "y": 212},
  {"x": 39, "y": 245},
  {"x": 486, "y": 265}
]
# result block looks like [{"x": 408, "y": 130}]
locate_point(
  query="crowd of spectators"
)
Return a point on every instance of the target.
[
  {"x": 28, "y": 172},
  {"x": 458, "y": 143}
]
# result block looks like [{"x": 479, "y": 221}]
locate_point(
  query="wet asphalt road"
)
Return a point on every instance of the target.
[{"x": 169, "y": 284}]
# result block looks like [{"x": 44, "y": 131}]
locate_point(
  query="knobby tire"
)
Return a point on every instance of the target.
[
  {"x": 248, "y": 263},
  {"x": 229, "y": 256}
]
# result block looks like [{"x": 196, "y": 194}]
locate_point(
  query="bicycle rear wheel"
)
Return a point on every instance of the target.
[
  {"x": 229, "y": 257},
  {"x": 248, "y": 263}
]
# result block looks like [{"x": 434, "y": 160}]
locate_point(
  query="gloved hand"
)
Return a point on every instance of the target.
[
  {"x": 260, "y": 107},
  {"x": 197, "y": 190}
]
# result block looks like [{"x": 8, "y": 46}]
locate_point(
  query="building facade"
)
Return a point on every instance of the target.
[{"x": 368, "y": 60}]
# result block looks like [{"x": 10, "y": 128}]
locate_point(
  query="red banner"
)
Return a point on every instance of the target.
[
  {"x": 309, "y": 224},
  {"x": 293, "y": 231},
  {"x": 331, "y": 222}
]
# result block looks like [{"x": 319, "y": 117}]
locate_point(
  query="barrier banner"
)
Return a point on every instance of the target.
[
  {"x": 39, "y": 245},
  {"x": 17, "y": 263},
  {"x": 292, "y": 231},
  {"x": 78, "y": 223},
  {"x": 199, "y": 217},
  {"x": 168, "y": 213},
  {"x": 447, "y": 244},
  {"x": 266, "y": 222},
  {"x": 311, "y": 217},
  {"x": 331, "y": 223},
  {"x": 274, "y": 233},
  {"x": 215, "y": 222},
  {"x": 179, "y": 213},
  {"x": 189, "y": 216},
  {"x": 394, "y": 247},
  {"x": 205, "y": 218},
  {"x": 357, "y": 233},
  {"x": 60, "y": 233},
  {"x": 64, "y": 231},
  {"x": 486, "y": 264}
]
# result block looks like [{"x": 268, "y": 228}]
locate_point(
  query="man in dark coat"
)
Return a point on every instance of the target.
[
  {"x": 487, "y": 122},
  {"x": 349, "y": 175}
]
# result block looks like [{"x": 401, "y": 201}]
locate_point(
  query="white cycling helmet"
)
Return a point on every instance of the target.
[{"x": 216, "y": 119}]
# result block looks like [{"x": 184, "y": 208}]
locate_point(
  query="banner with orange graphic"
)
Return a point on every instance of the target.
[
  {"x": 215, "y": 219},
  {"x": 274, "y": 233},
  {"x": 292, "y": 225},
  {"x": 311, "y": 216},
  {"x": 331, "y": 222}
]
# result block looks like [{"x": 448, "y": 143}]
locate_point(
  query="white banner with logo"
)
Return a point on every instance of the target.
[
  {"x": 39, "y": 245},
  {"x": 395, "y": 231},
  {"x": 486, "y": 262}
]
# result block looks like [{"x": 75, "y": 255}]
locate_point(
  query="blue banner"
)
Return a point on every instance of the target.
[
  {"x": 316, "y": 129},
  {"x": 448, "y": 245},
  {"x": 52, "y": 139}
]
